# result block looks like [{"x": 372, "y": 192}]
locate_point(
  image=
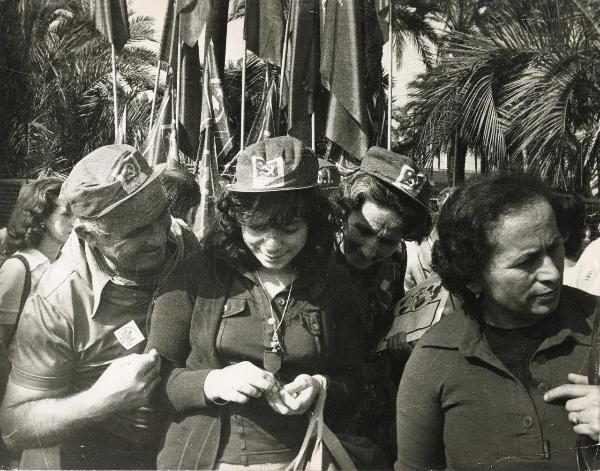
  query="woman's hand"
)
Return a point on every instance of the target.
[
  {"x": 238, "y": 383},
  {"x": 297, "y": 397},
  {"x": 583, "y": 404}
]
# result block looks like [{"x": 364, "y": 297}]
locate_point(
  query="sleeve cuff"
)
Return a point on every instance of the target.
[{"x": 185, "y": 389}]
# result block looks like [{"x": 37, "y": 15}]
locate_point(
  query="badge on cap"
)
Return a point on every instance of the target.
[
  {"x": 129, "y": 174},
  {"x": 410, "y": 181},
  {"x": 129, "y": 335},
  {"x": 267, "y": 173}
]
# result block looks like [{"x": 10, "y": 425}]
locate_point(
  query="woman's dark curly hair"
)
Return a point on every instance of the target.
[
  {"x": 27, "y": 223},
  {"x": 467, "y": 222},
  {"x": 361, "y": 187},
  {"x": 270, "y": 209}
]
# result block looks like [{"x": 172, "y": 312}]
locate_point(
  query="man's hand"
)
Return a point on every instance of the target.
[
  {"x": 583, "y": 404},
  {"x": 238, "y": 383},
  {"x": 127, "y": 383}
]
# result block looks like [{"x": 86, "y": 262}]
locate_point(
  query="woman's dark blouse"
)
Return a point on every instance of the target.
[
  {"x": 460, "y": 407},
  {"x": 320, "y": 334}
]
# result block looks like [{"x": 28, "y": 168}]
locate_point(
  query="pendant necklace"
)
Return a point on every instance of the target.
[{"x": 272, "y": 357}]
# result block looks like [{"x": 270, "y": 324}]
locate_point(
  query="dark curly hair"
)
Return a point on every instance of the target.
[
  {"x": 270, "y": 209},
  {"x": 36, "y": 201},
  {"x": 182, "y": 190},
  {"x": 467, "y": 222},
  {"x": 360, "y": 187}
]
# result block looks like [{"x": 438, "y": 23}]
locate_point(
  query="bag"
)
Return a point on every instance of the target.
[{"x": 321, "y": 449}]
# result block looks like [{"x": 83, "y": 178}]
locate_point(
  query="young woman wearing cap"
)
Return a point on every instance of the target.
[
  {"x": 252, "y": 328},
  {"x": 378, "y": 208}
]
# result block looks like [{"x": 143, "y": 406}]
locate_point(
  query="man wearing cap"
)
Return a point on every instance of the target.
[{"x": 80, "y": 378}]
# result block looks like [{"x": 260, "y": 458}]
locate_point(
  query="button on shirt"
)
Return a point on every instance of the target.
[{"x": 459, "y": 407}]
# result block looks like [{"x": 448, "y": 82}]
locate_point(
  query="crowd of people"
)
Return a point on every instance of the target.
[{"x": 129, "y": 343}]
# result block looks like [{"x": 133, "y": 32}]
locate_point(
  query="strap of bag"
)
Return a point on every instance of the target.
[
  {"x": 26, "y": 288},
  {"x": 324, "y": 438}
]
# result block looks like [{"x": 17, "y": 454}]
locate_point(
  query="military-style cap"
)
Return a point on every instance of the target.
[
  {"x": 275, "y": 164},
  {"x": 396, "y": 170},
  {"x": 108, "y": 177}
]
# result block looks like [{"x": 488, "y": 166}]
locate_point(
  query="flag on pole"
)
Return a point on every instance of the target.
[
  {"x": 110, "y": 17},
  {"x": 302, "y": 68},
  {"x": 169, "y": 36},
  {"x": 210, "y": 187},
  {"x": 263, "y": 29},
  {"x": 264, "y": 122},
  {"x": 121, "y": 136},
  {"x": 343, "y": 74},
  {"x": 383, "y": 10},
  {"x": 213, "y": 106},
  {"x": 161, "y": 143},
  {"x": 193, "y": 15}
]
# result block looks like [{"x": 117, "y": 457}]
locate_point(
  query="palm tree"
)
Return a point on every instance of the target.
[
  {"x": 523, "y": 91},
  {"x": 69, "y": 84}
]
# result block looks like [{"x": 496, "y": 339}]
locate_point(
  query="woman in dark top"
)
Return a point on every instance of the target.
[
  {"x": 379, "y": 207},
  {"x": 483, "y": 388},
  {"x": 252, "y": 328}
]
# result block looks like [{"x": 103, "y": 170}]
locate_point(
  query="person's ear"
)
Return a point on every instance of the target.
[{"x": 85, "y": 235}]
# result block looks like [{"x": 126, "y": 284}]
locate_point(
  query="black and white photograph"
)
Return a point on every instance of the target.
[{"x": 300, "y": 235}]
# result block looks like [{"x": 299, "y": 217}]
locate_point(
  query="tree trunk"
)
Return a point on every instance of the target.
[{"x": 456, "y": 161}]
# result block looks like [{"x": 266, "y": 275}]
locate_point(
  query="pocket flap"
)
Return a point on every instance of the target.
[{"x": 234, "y": 306}]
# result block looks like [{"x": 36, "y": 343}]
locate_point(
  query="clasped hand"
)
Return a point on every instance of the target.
[
  {"x": 244, "y": 380},
  {"x": 583, "y": 404}
]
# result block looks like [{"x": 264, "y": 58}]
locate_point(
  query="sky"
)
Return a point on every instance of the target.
[{"x": 411, "y": 67}]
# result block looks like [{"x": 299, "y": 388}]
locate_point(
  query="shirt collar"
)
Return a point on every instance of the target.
[
  {"x": 90, "y": 266},
  {"x": 314, "y": 281},
  {"x": 465, "y": 333}
]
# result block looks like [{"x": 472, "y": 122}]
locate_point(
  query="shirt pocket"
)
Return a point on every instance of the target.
[{"x": 234, "y": 307}]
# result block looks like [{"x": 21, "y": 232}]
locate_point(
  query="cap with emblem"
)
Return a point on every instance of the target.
[
  {"x": 396, "y": 170},
  {"x": 108, "y": 177},
  {"x": 275, "y": 164}
]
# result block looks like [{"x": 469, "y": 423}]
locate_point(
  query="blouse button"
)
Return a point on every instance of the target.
[
  {"x": 527, "y": 421},
  {"x": 542, "y": 388},
  {"x": 280, "y": 301},
  {"x": 540, "y": 358}
]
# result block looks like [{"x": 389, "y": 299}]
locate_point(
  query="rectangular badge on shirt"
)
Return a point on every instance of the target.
[{"x": 129, "y": 335}]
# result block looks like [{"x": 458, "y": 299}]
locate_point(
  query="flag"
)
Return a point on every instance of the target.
[
  {"x": 121, "y": 136},
  {"x": 210, "y": 187},
  {"x": 264, "y": 122},
  {"x": 383, "y": 10},
  {"x": 343, "y": 74},
  {"x": 110, "y": 17},
  {"x": 193, "y": 15},
  {"x": 161, "y": 143},
  {"x": 190, "y": 100},
  {"x": 302, "y": 68},
  {"x": 213, "y": 106},
  {"x": 264, "y": 26},
  {"x": 170, "y": 35}
]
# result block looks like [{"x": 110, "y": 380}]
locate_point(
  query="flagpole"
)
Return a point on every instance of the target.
[
  {"x": 177, "y": 103},
  {"x": 156, "y": 80},
  {"x": 243, "y": 104},
  {"x": 390, "y": 81},
  {"x": 282, "y": 70},
  {"x": 313, "y": 132},
  {"x": 113, "y": 54}
]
